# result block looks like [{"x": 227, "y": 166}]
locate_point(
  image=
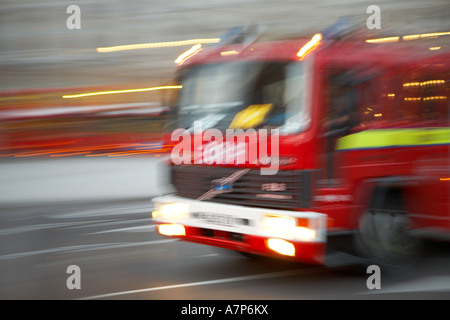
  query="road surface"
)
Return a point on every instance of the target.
[{"x": 120, "y": 256}]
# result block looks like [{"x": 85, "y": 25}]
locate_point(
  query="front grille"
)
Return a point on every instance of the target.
[
  {"x": 288, "y": 189},
  {"x": 221, "y": 235}
]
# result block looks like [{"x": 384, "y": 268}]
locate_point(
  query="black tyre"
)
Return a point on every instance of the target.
[{"x": 384, "y": 238}]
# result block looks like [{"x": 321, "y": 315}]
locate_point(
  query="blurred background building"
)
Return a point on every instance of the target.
[
  {"x": 38, "y": 50},
  {"x": 41, "y": 60}
]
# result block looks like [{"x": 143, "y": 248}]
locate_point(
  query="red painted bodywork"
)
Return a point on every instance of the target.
[{"x": 427, "y": 197}]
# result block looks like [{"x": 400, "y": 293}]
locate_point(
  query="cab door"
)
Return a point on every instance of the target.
[{"x": 339, "y": 117}]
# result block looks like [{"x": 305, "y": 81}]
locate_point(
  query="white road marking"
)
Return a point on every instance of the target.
[
  {"x": 210, "y": 282},
  {"x": 208, "y": 255},
  {"x": 148, "y": 253},
  {"x": 103, "y": 212},
  {"x": 114, "y": 222},
  {"x": 147, "y": 228},
  {"x": 35, "y": 227},
  {"x": 434, "y": 283},
  {"x": 86, "y": 247},
  {"x": 79, "y": 224}
]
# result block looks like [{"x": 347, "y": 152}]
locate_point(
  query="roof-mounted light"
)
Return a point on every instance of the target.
[
  {"x": 309, "y": 46},
  {"x": 187, "y": 54}
]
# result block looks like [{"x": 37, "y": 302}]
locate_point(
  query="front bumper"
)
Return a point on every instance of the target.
[{"x": 297, "y": 235}]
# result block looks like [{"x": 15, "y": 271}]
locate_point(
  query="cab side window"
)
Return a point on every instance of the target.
[
  {"x": 342, "y": 102},
  {"x": 425, "y": 99}
]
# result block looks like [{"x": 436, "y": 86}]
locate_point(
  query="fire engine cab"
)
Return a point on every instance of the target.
[{"x": 358, "y": 129}]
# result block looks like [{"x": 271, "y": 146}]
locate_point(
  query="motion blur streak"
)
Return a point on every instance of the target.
[
  {"x": 383, "y": 40},
  {"x": 187, "y": 54},
  {"x": 69, "y": 154},
  {"x": 229, "y": 53},
  {"x": 86, "y": 117},
  {"x": 118, "y": 91},
  {"x": 425, "y": 35},
  {"x": 408, "y": 37},
  {"x": 311, "y": 45},
  {"x": 158, "y": 45}
]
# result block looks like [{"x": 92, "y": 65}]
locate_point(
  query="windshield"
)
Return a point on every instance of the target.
[{"x": 242, "y": 95}]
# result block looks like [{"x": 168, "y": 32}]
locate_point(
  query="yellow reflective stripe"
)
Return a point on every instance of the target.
[{"x": 382, "y": 138}]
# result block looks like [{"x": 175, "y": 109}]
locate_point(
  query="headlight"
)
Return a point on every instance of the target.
[
  {"x": 305, "y": 234},
  {"x": 171, "y": 211},
  {"x": 280, "y": 226}
]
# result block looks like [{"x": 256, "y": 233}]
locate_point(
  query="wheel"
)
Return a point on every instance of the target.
[{"x": 384, "y": 238}]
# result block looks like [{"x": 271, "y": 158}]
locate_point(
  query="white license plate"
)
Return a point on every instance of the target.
[{"x": 220, "y": 219}]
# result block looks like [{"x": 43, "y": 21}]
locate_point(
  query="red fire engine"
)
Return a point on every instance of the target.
[{"x": 363, "y": 147}]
